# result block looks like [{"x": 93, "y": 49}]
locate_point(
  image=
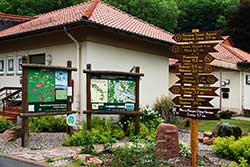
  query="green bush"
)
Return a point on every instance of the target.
[
  {"x": 226, "y": 114},
  {"x": 48, "y": 124},
  {"x": 221, "y": 146},
  {"x": 5, "y": 124},
  {"x": 239, "y": 150},
  {"x": 150, "y": 117},
  {"x": 184, "y": 150},
  {"x": 143, "y": 133},
  {"x": 102, "y": 132},
  {"x": 163, "y": 105}
]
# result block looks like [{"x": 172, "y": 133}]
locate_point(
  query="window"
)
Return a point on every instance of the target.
[
  {"x": 37, "y": 58},
  {"x": 2, "y": 66},
  {"x": 19, "y": 64},
  {"x": 10, "y": 65}
]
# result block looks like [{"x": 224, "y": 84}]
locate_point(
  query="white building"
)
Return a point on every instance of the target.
[{"x": 89, "y": 33}]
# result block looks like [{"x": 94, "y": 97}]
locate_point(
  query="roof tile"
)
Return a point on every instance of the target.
[{"x": 94, "y": 11}]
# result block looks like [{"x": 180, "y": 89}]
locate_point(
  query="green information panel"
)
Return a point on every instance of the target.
[
  {"x": 113, "y": 93},
  {"x": 47, "y": 90}
]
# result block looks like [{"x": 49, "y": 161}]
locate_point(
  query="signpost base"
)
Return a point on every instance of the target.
[{"x": 194, "y": 141}]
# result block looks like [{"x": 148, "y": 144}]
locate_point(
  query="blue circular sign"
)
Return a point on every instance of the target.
[{"x": 71, "y": 120}]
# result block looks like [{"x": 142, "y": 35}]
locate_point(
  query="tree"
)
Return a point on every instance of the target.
[
  {"x": 204, "y": 14},
  {"x": 239, "y": 26}
]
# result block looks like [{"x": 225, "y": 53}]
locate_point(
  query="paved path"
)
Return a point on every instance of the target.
[{"x": 241, "y": 118}]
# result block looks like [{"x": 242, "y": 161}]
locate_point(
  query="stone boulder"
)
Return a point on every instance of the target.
[
  {"x": 89, "y": 159},
  {"x": 12, "y": 134},
  {"x": 167, "y": 141},
  {"x": 226, "y": 129}
]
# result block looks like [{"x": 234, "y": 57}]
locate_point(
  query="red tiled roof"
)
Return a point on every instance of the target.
[
  {"x": 14, "y": 17},
  {"x": 94, "y": 11}
]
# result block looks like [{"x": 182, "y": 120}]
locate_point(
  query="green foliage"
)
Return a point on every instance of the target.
[
  {"x": 226, "y": 114},
  {"x": 239, "y": 26},
  {"x": 204, "y": 14},
  {"x": 239, "y": 150},
  {"x": 48, "y": 124},
  {"x": 221, "y": 146},
  {"x": 184, "y": 150},
  {"x": 144, "y": 131},
  {"x": 5, "y": 124},
  {"x": 163, "y": 105},
  {"x": 137, "y": 156},
  {"x": 150, "y": 117},
  {"x": 102, "y": 132}
]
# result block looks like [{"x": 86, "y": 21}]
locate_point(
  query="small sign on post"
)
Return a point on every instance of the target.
[{"x": 193, "y": 61}]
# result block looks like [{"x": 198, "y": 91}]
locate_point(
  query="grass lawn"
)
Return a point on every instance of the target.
[{"x": 209, "y": 125}]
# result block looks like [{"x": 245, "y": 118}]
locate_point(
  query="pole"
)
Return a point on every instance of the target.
[
  {"x": 25, "y": 120},
  {"x": 69, "y": 105},
  {"x": 194, "y": 129}
]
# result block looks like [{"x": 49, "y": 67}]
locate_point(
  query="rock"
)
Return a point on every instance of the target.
[
  {"x": 167, "y": 141},
  {"x": 225, "y": 129},
  {"x": 208, "y": 141},
  {"x": 89, "y": 159},
  {"x": 208, "y": 134},
  {"x": 12, "y": 134}
]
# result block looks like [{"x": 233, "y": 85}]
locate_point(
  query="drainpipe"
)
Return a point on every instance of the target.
[
  {"x": 242, "y": 91},
  {"x": 220, "y": 90},
  {"x": 79, "y": 66}
]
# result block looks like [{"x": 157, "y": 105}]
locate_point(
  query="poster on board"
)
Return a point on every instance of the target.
[
  {"x": 113, "y": 93},
  {"x": 47, "y": 90}
]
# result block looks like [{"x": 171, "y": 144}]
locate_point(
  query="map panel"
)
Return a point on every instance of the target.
[
  {"x": 113, "y": 93},
  {"x": 41, "y": 85}
]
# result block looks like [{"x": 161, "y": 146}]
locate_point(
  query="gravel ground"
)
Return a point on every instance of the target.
[{"x": 39, "y": 141}]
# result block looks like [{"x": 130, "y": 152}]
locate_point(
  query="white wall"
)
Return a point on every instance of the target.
[
  {"x": 104, "y": 57},
  {"x": 155, "y": 68}
]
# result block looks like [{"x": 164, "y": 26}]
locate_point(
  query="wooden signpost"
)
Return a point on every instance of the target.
[
  {"x": 46, "y": 90},
  {"x": 113, "y": 92},
  {"x": 201, "y": 79},
  {"x": 193, "y": 67}
]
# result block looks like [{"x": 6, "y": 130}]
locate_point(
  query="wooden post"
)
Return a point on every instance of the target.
[
  {"x": 137, "y": 99},
  {"x": 25, "y": 121},
  {"x": 88, "y": 98},
  {"x": 69, "y": 105},
  {"x": 194, "y": 128}
]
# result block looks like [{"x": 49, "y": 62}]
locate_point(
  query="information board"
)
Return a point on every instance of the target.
[
  {"x": 47, "y": 90},
  {"x": 113, "y": 93}
]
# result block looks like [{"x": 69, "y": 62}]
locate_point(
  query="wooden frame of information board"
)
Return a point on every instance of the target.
[
  {"x": 135, "y": 76},
  {"x": 57, "y": 93}
]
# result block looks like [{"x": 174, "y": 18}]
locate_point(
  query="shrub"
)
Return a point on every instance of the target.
[
  {"x": 221, "y": 146},
  {"x": 150, "y": 117},
  {"x": 184, "y": 150},
  {"x": 246, "y": 113},
  {"x": 226, "y": 114},
  {"x": 239, "y": 150},
  {"x": 5, "y": 124},
  {"x": 102, "y": 132},
  {"x": 143, "y": 133},
  {"x": 163, "y": 105},
  {"x": 48, "y": 124}
]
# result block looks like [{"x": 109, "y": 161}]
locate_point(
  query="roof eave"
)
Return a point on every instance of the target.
[{"x": 79, "y": 23}]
